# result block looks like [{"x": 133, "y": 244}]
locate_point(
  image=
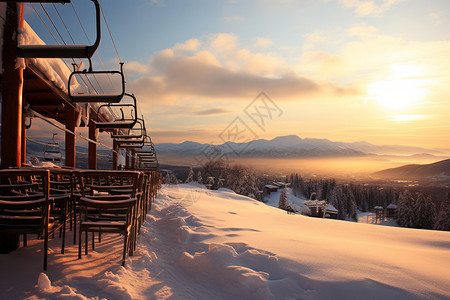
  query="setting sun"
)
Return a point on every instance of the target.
[{"x": 403, "y": 89}]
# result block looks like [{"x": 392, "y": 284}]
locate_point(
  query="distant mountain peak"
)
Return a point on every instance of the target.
[
  {"x": 290, "y": 146},
  {"x": 287, "y": 139}
]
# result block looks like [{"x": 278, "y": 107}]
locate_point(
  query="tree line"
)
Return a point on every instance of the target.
[{"x": 414, "y": 210}]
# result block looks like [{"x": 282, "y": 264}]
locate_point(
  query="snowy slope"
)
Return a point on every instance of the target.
[
  {"x": 202, "y": 244},
  {"x": 295, "y": 203}
]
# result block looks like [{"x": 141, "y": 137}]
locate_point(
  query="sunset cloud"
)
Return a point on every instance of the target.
[
  {"x": 365, "y": 7},
  {"x": 212, "y": 111},
  {"x": 220, "y": 69},
  {"x": 263, "y": 42}
]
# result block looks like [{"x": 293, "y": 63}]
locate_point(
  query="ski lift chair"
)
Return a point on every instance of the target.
[
  {"x": 52, "y": 152},
  {"x": 62, "y": 51},
  {"x": 126, "y": 123},
  {"x": 90, "y": 98},
  {"x": 134, "y": 144},
  {"x": 134, "y": 133}
]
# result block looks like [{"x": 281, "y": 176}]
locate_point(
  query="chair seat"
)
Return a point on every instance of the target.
[
  {"x": 116, "y": 224},
  {"x": 53, "y": 51},
  {"x": 88, "y": 98},
  {"x": 115, "y": 124}
]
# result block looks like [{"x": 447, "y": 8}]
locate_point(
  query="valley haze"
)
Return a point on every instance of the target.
[{"x": 306, "y": 155}]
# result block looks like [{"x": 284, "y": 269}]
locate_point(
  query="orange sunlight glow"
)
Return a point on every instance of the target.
[{"x": 403, "y": 89}]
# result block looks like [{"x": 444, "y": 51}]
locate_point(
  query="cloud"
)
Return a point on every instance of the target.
[
  {"x": 224, "y": 42},
  {"x": 367, "y": 55},
  {"x": 436, "y": 17},
  {"x": 220, "y": 69},
  {"x": 366, "y": 7},
  {"x": 212, "y": 111},
  {"x": 137, "y": 67},
  {"x": 189, "y": 76},
  {"x": 235, "y": 19},
  {"x": 361, "y": 30},
  {"x": 189, "y": 45},
  {"x": 263, "y": 42}
]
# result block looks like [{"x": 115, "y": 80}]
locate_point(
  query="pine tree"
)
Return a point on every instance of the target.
[
  {"x": 443, "y": 217},
  {"x": 199, "y": 177},
  {"x": 405, "y": 209},
  {"x": 190, "y": 177},
  {"x": 423, "y": 212},
  {"x": 283, "y": 202}
]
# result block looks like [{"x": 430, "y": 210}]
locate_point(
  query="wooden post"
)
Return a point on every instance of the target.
[
  {"x": 115, "y": 150},
  {"x": 24, "y": 138},
  {"x": 70, "y": 138},
  {"x": 133, "y": 159},
  {"x": 12, "y": 85},
  {"x": 127, "y": 159},
  {"x": 92, "y": 146}
]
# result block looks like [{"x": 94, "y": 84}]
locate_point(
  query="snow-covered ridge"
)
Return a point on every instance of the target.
[
  {"x": 203, "y": 244},
  {"x": 290, "y": 146}
]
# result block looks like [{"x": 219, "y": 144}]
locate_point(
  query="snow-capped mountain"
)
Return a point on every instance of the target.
[{"x": 288, "y": 146}]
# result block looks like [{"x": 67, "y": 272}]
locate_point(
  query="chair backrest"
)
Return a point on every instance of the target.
[
  {"x": 105, "y": 206},
  {"x": 15, "y": 204},
  {"x": 114, "y": 180}
]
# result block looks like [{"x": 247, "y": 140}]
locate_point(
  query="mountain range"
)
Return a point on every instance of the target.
[
  {"x": 292, "y": 146},
  {"x": 414, "y": 171}
]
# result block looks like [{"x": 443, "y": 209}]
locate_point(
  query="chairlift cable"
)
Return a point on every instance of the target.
[
  {"x": 51, "y": 20},
  {"x": 54, "y": 26},
  {"x": 38, "y": 115},
  {"x": 73, "y": 41},
  {"x": 60, "y": 147},
  {"x": 115, "y": 48},
  {"x": 96, "y": 52},
  {"x": 45, "y": 24},
  {"x": 64, "y": 24},
  {"x": 96, "y": 142}
]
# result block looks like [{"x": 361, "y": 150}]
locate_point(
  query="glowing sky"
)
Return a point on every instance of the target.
[{"x": 346, "y": 70}]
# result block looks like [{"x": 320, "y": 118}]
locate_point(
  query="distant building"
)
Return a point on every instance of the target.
[
  {"x": 322, "y": 209},
  {"x": 391, "y": 210},
  {"x": 280, "y": 184},
  {"x": 331, "y": 212},
  {"x": 271, "y": 188},
  {"x": 379, "y": 212}
]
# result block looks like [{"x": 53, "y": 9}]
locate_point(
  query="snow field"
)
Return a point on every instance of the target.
[{"x": 202, "y": 244}]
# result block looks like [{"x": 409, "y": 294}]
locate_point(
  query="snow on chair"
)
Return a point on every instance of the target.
[
  {"x": 123, "y": 122},
  {"x": 61, "y": 51}
]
